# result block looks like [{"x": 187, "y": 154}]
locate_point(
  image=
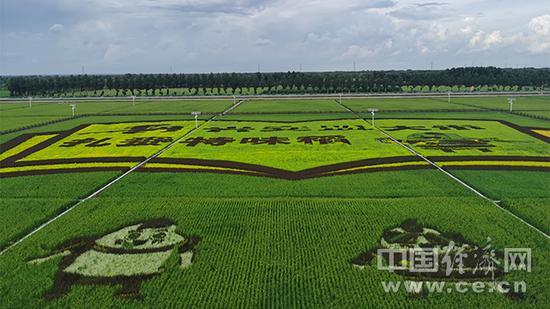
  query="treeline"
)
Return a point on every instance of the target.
[{"x": 280, "y": 83}]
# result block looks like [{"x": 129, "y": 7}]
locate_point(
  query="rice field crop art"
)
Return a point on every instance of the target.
[
  {"x": 423, "y": 255},
  {"x": 471, "y": 143},
  {"x": 267, "y": 210},
  {"x": 287, "y": 150},
  {"x": 114, "y": 146},
  {"x": 125, "y": 257},
  {"x": 279, "y": 246},
  {"x": 294, "y": 150}
]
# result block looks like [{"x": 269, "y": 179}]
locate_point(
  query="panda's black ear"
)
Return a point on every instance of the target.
[
  {"x": 78, "y": 242},
  {"x": 156, "y": 223},
  {"x": 190, "y": 245}
]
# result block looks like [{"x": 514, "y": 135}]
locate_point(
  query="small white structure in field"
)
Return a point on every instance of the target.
[
  {"x": 73, "y": 108},
  {"x": 372, "y": 111},
  {"x": 30, "y": 101},
  {"x": 133, "y": 100},
  {"x": 511, "y": 102},
  {"x": 196, "y": 114}
]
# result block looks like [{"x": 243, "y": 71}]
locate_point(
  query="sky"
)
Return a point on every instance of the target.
[{"x": 184, "y": 36}]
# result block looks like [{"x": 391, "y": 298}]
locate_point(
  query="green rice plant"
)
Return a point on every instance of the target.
[
  {"x": 403, "y": 104},
  {"x": 273, "y": 252},
  {"x": 473, "y": 115},
  {"x": 16, "y": 115},
  {"x": 29, "y": 200},
  {"x": 211, "y": 185},
  {"x": 288, "y": 106},
  {"x": 525, "y": 193}
]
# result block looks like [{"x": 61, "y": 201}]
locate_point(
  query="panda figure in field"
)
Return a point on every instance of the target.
[{"x": 125, "y": 257}]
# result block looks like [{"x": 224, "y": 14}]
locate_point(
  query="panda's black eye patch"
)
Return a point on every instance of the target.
[
  {"x": 134, "y": 235},
  {"x": 138, "y": 242},
  {"x": 159, "y": 235}
]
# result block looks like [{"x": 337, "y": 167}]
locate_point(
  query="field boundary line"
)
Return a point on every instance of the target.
[
  {"x": 112, "y": 182},
  {"x": 41, "y": 124},
  {"x": 232, "y": 107},
  {"x": 495, "y": 203},
  {"x": 521, "y": 113}
]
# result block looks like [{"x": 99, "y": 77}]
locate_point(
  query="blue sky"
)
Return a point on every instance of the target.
[{"x": 121, "y": 36}]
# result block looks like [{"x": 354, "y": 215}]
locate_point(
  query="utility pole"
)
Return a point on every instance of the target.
[
  {"x": 511, "y": 102},
  {"x": 372, "y": 111},
  {"x": 73, "y": 108},
  {"x": 30, "y": 101},
  {"x": 196, "y": 114}
]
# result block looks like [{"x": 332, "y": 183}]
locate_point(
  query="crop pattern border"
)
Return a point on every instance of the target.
[{"x": 12, "y": 167}]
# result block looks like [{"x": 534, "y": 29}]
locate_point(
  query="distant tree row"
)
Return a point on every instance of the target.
[{"x": 289, "y": 82}]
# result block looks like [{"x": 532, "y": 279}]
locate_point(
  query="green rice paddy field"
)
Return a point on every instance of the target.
[{"x": 275, "y": 199}]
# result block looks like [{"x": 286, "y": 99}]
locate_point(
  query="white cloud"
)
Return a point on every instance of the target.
[
  {"x": 313, "y": 37},
  {"x": 424, "y": 50},
  {"x": 539, "y": 39},
  {"x": 423, "y": 11},
  {"x": 358, "y": 52},
  {"x": 262, "y": 42},
  {"x": 469, "y": 24},
  {"x": 485, "y": 41},
  {"x": 476, "y": 39},
  {"x": 540, "y": 25},
  {"x": 535, "y": 40},
  {"x": 388, "y": 43},
  {"x": 56, "y": 28},
  {"x": 216, "y": 35},
  {"x": 438, "y": 32},
  {"x": 94, "y": 26},
  {"x": 493, "y": 39}
]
